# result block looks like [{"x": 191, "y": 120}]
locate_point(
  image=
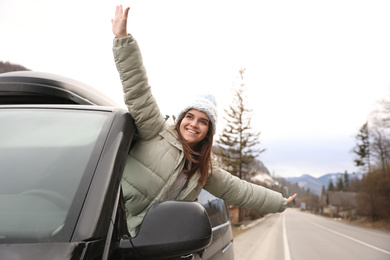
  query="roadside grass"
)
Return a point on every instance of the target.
[
  {"x": 383, "y": 224},
  {"x": 239, "y": 228}
]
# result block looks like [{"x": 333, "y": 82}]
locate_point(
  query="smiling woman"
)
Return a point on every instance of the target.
[{"x": 173, "y": 160}]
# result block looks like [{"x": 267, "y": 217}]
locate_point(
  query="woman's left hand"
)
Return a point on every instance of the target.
[{"x": 291, "y": 198}]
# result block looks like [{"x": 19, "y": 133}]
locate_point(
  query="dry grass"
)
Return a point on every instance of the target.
[
  {"x": 245, "y": 226},
  {"x": 383, "y": 224},
  {"x": 238, "y": 231}
]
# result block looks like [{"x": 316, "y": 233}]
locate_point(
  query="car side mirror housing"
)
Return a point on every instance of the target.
[{"x": 170, "y": 229}]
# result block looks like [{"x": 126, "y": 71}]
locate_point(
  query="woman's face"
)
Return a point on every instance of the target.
[{"x": 194, "y": 126}]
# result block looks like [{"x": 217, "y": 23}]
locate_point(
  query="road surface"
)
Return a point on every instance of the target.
[{"x": 294, "y": 235}]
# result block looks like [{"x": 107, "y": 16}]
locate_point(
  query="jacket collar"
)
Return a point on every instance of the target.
[{"x": 170, "y": 134}]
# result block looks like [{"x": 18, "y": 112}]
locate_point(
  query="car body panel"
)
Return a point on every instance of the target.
[
  {"x": 25, "y": 86},
  {"x": 49, "y": 251},
  {"x": 222, "y": 244}
]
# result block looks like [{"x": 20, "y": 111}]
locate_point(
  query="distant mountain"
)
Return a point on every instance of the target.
[
  {"x": 259, "y": 172},
  {"x": 258, "y": 165},
  {"x": 264, "y": 178},
  {"x": 315, "y": 184},
  {"x": 8, "y": 67},
  {"x": 308, "y": 182}
]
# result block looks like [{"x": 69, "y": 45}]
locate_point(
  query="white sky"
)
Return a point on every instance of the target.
[{"x": 314, "y": 69}]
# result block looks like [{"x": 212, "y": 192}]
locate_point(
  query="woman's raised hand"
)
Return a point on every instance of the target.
[
  {"x": 291, "y": 198},
  {"x": 119, "y": 23}
]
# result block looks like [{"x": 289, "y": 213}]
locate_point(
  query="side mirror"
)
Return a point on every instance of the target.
[{"x": 170, "y": 229}]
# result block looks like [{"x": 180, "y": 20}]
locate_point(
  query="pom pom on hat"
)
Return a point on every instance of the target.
[{"x": 205, "y": 103}]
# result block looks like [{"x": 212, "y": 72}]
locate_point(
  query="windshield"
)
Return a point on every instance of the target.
[{"x": 43, "y": 156}]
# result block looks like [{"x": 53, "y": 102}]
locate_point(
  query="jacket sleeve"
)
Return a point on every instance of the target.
[
  {"x": 238, "y": 192},
  {"x": 137, "y": 93}
]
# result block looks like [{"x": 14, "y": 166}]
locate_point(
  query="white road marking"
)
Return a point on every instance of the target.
[
  {"x": 350, "y": 238},
  {"x": 285, "y": 242}
]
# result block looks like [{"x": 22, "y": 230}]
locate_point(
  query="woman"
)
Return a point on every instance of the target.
[{"x": 173, "y": 160}]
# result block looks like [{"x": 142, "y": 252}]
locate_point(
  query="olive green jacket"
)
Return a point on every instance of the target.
[{"x": 157, "y": 157}]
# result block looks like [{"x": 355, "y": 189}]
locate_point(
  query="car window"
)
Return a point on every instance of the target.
[
  {"x": 43, "y": 156},
  {"x": 215, "y": 207}
]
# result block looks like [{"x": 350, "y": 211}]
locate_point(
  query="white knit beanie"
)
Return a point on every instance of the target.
[{"x": 205, "y": 103}]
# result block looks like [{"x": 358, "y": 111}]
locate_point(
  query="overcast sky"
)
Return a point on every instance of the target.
[{"x": 314, "y": 69}]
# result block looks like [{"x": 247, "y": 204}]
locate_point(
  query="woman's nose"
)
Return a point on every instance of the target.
[{"x": 194, "y": 124}]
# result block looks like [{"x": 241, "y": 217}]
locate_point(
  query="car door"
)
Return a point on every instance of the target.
[{"x": 222, "y": 243}]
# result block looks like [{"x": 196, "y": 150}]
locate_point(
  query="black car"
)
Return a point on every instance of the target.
[{"x": 63, "y": 146}]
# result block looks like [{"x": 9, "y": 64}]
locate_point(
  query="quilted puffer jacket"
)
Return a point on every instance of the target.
[{"x": 157, "y": 157}]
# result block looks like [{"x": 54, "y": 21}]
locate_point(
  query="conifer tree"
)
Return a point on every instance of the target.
[
  {"x": 346, "y": 181},
  {"x": 238, "y": 143},
  {"x": 340, "y": 184},
  {"x": 330, "y": 186},
  {"x": 362, "y": 149}
]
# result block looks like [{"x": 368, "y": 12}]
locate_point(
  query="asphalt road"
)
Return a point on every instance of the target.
[{"x": 294, "y": 235}]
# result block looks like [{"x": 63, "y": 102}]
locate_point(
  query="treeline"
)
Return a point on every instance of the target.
[
  {"x": 8, "y": 67},
  {"x": 343, "y": 183},
  {"x": 372, "y": 153}
]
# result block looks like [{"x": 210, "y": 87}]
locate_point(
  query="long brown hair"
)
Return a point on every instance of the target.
[{"x": 200, "y": 155}]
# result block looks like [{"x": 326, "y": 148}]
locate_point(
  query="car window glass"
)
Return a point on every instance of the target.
[
  {"x": 42, "y": 128},
  {"x": 43, "y": 156},
  {"x": 215, "y": 207}
]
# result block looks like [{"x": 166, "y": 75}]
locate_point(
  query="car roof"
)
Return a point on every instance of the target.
[{"x": 31, "y": 87}]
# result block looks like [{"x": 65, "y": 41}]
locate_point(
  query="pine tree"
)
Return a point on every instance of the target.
[
  {"x": 340, "y": 184},
  {"x": 238, "y": 140},
  {"x": 330, "y": 186},
  {"x": 238, "y": 143},
  {"x": 346, "y": 181},
  {"x": 362, "y": 149}
]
